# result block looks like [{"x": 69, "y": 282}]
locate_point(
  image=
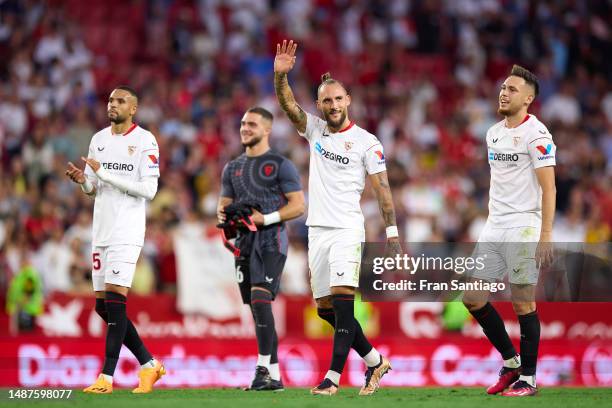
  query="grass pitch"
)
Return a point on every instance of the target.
[{"x": 347, "y": 397}]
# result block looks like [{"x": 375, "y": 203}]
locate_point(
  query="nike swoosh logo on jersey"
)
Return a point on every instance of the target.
[
  {"x": 542, "y": 132},
  {"x": 269, "y": 280},
  {"x": 495, "y": 140},
  {"x": 100, "y": 149},
  {"x": 116, "y": 272},
  {"x": 340, "y": 274}
]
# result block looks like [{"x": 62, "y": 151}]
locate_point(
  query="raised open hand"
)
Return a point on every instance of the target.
[
  {"x": 75, "y": 173},
  {"x": 285, "y": 57}
]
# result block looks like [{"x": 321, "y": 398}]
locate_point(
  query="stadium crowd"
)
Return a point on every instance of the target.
[{"x": 424, "y": 77}]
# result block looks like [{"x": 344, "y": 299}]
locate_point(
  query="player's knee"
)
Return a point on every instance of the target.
[
  {"x": 260, "y": 289},
  {"x": 101, "y": 309},
  {"x": 260, "y": 297},
  {"x": 473, "y": 304},
  {"x": 324, "y": 302},
  {"x": 342, "y": 290},
  {"x": 523, "y": 308}
]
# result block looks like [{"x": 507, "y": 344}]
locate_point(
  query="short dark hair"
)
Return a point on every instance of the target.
[
  {"x": 327, "y": 79},
  {"x": 264, "y": 113},
  {"x": 129, "y": 90},
  {"x": 527, "y": 75}
]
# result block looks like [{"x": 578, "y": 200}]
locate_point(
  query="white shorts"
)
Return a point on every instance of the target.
[
  {"x": 334, "y": 258},
  {"x": 114, "y": 264},
  {"x": 508, "y": 250}
]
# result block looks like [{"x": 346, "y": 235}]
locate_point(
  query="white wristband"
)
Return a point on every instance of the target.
[
  {"x": 392, "y": 231},
  {"x": 271, "y": 218},
  {"x": 87, "y": 187}
]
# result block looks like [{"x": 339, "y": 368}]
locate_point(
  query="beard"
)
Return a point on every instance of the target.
[
  {"x": 253, "y": 141},
  {"x": 117, "y": 118},
  {"x": 508, "y": 110},
  {"x": 335, "y": 124}
]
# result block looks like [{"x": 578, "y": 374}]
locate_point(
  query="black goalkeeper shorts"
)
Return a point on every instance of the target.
[{"x": 263, "y": 269}]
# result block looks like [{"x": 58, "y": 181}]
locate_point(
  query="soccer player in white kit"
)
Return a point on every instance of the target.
[
  {"x": 517, "y": 236},
  {"x": 122, "y": 169},
  {"x": 342, "y": 155}
]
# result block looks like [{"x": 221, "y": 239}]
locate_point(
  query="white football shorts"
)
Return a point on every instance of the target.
[
  {"x": 508, "y": 250},
  {"x": 334, "y": 258},
  {"x": 114, "y": 264}
]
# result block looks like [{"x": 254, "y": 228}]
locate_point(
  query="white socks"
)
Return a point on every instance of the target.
[
  {"x": 333, "y": 376},
  {"x": 263, "y": 361},
  {"x": 514, "y": 362},
  {"x": 529, "y": 379},
  {"x": 108, "y": 378},
  {"x": 275, "y": 372},
  {"x": 372, "y": 359},
  {"x": 149, "y": 364}
]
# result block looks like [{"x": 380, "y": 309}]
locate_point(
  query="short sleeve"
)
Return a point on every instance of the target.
[
  {"x": 89, "y": 173},
  {"x": 289, "y": 178},
  {"x": 149, "y": 160},
  {"x": 374, "y": 159},
  {"x": 314, "y": 125},
  {"x": 227, "y": 190},
  {"x": 542, "y": 149}
]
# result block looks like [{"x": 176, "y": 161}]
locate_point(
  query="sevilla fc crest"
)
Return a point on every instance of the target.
[
  {"x": 131, "y": 150},
  {"x": 268, "y": 169},
  {"x": 348, "y": 146}
]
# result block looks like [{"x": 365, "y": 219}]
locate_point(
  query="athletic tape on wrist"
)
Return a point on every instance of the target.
[
  {"x": 271, "y": 218},
  {"x": 392, "y": 231}
]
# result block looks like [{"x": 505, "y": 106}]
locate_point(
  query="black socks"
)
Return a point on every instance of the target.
[
  {"x": 493, "y": 327},
  {"x": 344, "y": 333},
  {"x": 360, "y": 343},
  {"x": 530, "y": 340},
  {"x": 131, "y": 340},
  {"x": 117, "y": 325},
  {"x": 261, "y": 306}
]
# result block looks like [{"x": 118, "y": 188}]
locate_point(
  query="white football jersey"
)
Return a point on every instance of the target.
[
  {"x": 515, "y": 196},
  {"x": 119, "y": 218},
  {"x": 339, "y": 163}
]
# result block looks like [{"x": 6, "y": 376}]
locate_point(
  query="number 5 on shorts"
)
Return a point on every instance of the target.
[{"x": 96, "y": 261}]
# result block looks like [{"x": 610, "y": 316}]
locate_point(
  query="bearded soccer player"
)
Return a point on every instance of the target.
[
  {"x": 121, "y": 172},
  {"x": 341, "y": 156},
  {"x": 268, "y": 184},
  {"x": 517, "y": 236}
]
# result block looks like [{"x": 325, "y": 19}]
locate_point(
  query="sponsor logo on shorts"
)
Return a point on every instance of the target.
[
  {"x": 268, "y": 279},
  {"x": 116, "y": 272}
]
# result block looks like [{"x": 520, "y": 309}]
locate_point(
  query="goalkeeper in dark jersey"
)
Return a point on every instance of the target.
[{"x": 260, "y": 190}]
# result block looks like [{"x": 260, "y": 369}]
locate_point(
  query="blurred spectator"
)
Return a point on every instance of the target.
[{"x": 25, "y": 299}]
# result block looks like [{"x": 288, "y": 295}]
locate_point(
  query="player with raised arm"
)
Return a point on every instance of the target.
[
  {"x": 342, "y": 155},
  {"x": 517, "y": 236},
  {"x": 121, "y": 173},
  {"x": 266, "y": 186}
]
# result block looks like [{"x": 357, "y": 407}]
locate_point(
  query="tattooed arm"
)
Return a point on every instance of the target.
[
  {"x": 283, "y": 63},
  {"x": 381, "y": 188},
  {"x": 380, "y": 185}
]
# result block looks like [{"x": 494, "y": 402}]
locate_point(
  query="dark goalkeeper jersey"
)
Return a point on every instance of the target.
[{"x": 263, "y": 180}]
